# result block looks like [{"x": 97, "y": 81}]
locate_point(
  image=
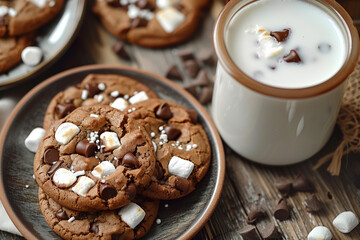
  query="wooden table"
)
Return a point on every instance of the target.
[{"x": 245, "y": 182}]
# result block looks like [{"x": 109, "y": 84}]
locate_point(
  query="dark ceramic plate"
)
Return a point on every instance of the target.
[
  {"x": 182, "y": 219},
  {"x": 53, "y": 39}
]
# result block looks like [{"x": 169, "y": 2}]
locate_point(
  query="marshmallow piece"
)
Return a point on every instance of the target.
[
  {"x": 104, "y": 169},
  {"x": 33, "y": 141},
  {"x": 101, "y": 86},
  {"x": 155, "y": 147},
  {"x": 180, "y": 167},
  {"x": 12, "y": 12},
  {"x": 66, "y": 132},
  {"x": 166, "y": 3},
  {"x": 110, "y": 141},
  {"x": 39, "y": 3},
  {"x": 3, "y": 10},
  {"x": 83, "y": 185},
  {"x": 64, "y": 178},
  {"x": 170, "y": 18},
  {"x": 345, "y": 222},
  {"x": 320, "y": 233},
  {"x": 120, "y": 104},
  {"x": 132, "y": 214},
  {"x": 84, "y": 94},
  {"x": 31, "y": 56},
  {"x": 133, "y": 11},
  {"x": 141, "y": 96}
]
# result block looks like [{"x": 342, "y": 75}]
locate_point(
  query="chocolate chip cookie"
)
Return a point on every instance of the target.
[
  {"x": 130, "y": 222},
  {"x": 18, "y": 17},
  {"x": 151, "y": 23},
  {"x": 11, "y": 48},
  {"x": 182, "y": 148},
  {"x": 93, "y": 159},
  {"x": 108, "y": 89}
]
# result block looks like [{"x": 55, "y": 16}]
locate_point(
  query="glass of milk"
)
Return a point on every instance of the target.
[{"x": 281, "y": 75}]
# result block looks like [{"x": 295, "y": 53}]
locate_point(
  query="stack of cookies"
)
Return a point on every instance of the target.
[
  {"x": 111, "y": 151},
  {"x": 18, "y": 21}
]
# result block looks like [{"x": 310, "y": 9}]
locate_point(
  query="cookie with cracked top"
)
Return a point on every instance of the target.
[
  {"x": 93, "y": 159},
  {"x": 103, "y": 225},
  {"x": 183, "y": 152}
]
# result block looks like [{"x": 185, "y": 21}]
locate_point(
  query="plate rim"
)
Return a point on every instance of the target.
[
  {"x": 207, "y": 212},
  {"x": 81, "y": 12}
]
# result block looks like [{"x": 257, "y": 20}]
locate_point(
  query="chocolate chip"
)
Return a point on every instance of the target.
[
  {"x": 302, "y": 184},
  {"x": 85, "y": 148},
  {"x": 193, "y": 115},
  {"x": 283, "y": 185},
  {"x": 357, "y": 181},
  {"x": 92, "y": 88},
  {"x": 192, "y": 67},
  {"x": 312, "y": 204},
  {"x": 163, "y": 111},
  {"x": 282, "y": 211},
  {"x": 202, "y": 79},
  {"x": 185, "y": 54},
  {"x": 131, "y": 191},
  {"x": 94, "y": 228},
  {"x": 64, "y": 110},
  {"x": 113, "y": 3},
  {"x": 119, "y": 49},
  {"x": 107, "y": 191},
  {"x": 191, "y": 88},
  {"x": 182, "y": 184},
  {"x": 324, "y": 47},
  {"x": 172, "y": 132},
  {"x": 206, "y": 56},
  {"x": 144, "y": 4},
  {"x": 248, "y": 232},
  {"x": 51, "y": 155},
  {"x": 61, "y": 215},
  {"x": 159, "y": 172},
  {"x": 179, "y": 7},
  {"x": 54, "y": 167},
  {"x": 270, "y": 232},
  {"x": 138, "y": 22},
  {"x": 281, "y": 36},
  {"x": 130, "y": 161},
  {"x": 206, "y": 95},
  {"x": 255, "y": 214},
  {"x": 174, "y": 73},
  {"x": 292, "y": 57}
]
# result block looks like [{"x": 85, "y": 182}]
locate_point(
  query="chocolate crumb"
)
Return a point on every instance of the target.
[
  {"x": 192, "y": 68},
  {"x": 282, "y": 211},
  {"x": 283, "y": 185},
  {"x": 174, "y": 73},
  {"x": 206, "y": 95},
  {"x": 302, "y": 184},
  {"x": 312, "y": 204},
  {"x": 119, "y": 49},
  {"x": 255, "y": 214},
  {"x": 248, "y": 232},
  {"x": 270, "y": 232}
]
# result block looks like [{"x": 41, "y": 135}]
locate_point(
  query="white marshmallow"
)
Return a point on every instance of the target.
[
  {"x": 3, "y": 10},
  {"x": 141, "y": 96},
  {"x": 132, "y": 214},
  {"x": 33, "y": 141},
  {"x": 64, "y": 178},
  {"x": 12, "y": 12},
  {"x": 180, "y": 167},
  {"x": 52, "y": 3},
  {"x": 31, "y": 55},
  {"x": 110, "y": 141},
  {"x": 94, "y": 115},
  {"x": 114, "y": 94},
  {"x": 164, "y": 137},
  {"x": 170, "y": 19},
  {"x": 39, "y": 3},
  {"x": 84, "y": 94},
  {"x": 345, "y": 222},
  {"x": 80, "y": 173},
  {"x": 133, "y": 11},
  {"x": 320, "y": 233},
  {"x": 166, "y": 3},
  {"x": 101, "y": 86},
  {"x": 120, "y": 104},
  {"x": 155, "y": 147},
  {"x": 83, "y": 185},
  {"x": 104, "y": 169},
  {"x": 66, "y": 132}
]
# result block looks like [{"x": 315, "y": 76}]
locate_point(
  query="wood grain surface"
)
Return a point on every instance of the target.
[{"x": 245, "y": 182}]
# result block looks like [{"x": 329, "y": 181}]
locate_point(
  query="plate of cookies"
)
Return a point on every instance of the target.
[
  {"x": 33, "y": 34},
  {"x": 110, "y": 152}
]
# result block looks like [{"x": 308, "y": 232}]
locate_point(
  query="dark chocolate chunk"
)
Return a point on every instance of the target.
[
  {"x": 174, "y": 73},
  {"x": 54, "y": 167},
  {"x": 191, "y": 88},
  {"x": 94, "y": 228},
  {"x": 159, "y": 172},
  {"x": 192, "y": 67},
  {"x": 61, "y": 215},
  {"x": 138, "y": 22},
  {"x": 145, "y": 4},
  {"x": 182, "y": 184},
  {"x": 163, "y": 111},
  {"x": 324, "y": 47},
  {"x": 130, "y": 161},
  {"x": 302, "y": 184},
  {"x": 283, "y": 185},
  {"x": 64, "y": 110},
  {"x": 281, "y": 36},
  {"x": 312, "y": 204},
  {"x": 357, "y": 181},
  {"x": 282, "y": 211},
  {"x": 119, "y": 49},
  {"x": 186, "y": 54},
  {"x": 255, "y": 214},
  {"x": 248, "y": 232},
  {"x": 201, "y": 79},
  {"x": 193, "y": 115},
  {"x": 85, "y": 148},
  {"x": 270, "y": 232},
  {"x": 51, "y": 155},
  {"x": 107, "y": 191},
  {"x": 292, "y": 57},
  {"x": 206, "y": 56},
  {"x": 92, "y": 88},
  {"x": 206, "y": 95},
  {"x": 131, "y": 191},
  {"x": 113, "y": 3},
  {"x": 172, "y": 132}
]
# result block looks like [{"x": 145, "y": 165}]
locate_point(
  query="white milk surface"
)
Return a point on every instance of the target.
[{"x": 314, "y": 35}]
